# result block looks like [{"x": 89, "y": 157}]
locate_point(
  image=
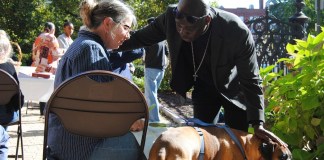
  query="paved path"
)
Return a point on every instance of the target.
[{"x": 33, "y": 133}]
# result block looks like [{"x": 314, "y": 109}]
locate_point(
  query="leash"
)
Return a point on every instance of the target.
[{"x": 197, "y": 122}]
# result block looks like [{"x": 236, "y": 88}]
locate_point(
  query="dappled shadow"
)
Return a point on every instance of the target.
[{"x": 30, "y": 133}]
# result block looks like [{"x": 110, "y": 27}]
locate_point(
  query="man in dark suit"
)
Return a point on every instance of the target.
[{"x": 212, "y": 51}]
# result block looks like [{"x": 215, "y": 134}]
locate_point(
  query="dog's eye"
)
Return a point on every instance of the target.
[
  {"x": 283, "y": 157},
  {"x": 266, "y": 151}
]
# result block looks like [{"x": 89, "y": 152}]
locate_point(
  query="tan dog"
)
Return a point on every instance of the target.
[{"x": 183, "y": 143}]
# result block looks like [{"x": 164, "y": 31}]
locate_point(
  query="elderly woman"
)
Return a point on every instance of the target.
[
  {"x": 11, "y": 113},
  {"x": 106, "y": 26}
]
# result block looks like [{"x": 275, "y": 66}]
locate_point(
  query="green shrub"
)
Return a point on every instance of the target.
[
  {"x": 139, "y": 82},
  {"x": 138, "y": 78},
  {"x": 139, "y": 71},
  {"x": 165, "y": 84},
  {"x": 26, "y": 59},
  {"x": 295, "y": 110}
]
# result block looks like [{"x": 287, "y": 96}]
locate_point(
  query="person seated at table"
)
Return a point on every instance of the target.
[
  {"x": 46, "y": 50},
  {"x": 107, "y": 25},
  {"x": 8, "y": 114}
]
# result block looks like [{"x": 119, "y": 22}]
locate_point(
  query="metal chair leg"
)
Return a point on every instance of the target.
[
  {"x": 27, "y": 105},
  {"x": 19, "y": 139}
]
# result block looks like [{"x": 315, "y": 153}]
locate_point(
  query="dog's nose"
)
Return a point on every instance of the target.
[{"x": 284, "y": 157}]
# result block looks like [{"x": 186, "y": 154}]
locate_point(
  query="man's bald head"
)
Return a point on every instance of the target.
[{"x": 194, "y": 7}]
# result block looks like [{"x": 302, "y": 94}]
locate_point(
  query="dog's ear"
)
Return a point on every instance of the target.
[{"x": 266, "y": 150}]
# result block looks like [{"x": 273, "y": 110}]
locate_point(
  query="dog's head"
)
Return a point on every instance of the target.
[{"x": 273, "y": 151}]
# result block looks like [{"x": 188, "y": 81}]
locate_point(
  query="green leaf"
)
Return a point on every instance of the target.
[
  {"x": 320, "y": 149},
  {"x": 309, "y": 131},
  {"x": 297, "y": 60},
  {"x": 319, "y": 38},
  {"x": 292, "y": 125},
  {"x": 315, "y": 121},
  {"x": 310, "y": 103},
  {"x": 270, "y": 76},
  {"x": 300, "y": 154},
  {"x": 310, "y": 38},
  {"x": 290, "y": 48},
  {"x": 152, "y": 107},
  {"x": 302, "y": 43},
  {"x": 322, "y": 127},
  {"x": 281, "y": 125},
  {"x": 267, "y": 69},
  {"x": 159, "y": 124},
  {"x": 283, "y": 60},
  {"x": 290, "y": 138}
]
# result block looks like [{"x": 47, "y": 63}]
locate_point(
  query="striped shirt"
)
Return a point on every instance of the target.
[{"x": 86, "y": 53}]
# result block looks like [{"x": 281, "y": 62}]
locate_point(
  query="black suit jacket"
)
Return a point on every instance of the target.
[{"x": 234, "y": 65}]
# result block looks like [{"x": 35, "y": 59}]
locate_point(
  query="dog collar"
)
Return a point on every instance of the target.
[{"x": 202, "y": 144}]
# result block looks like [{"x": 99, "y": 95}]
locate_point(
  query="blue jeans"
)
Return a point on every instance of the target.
[
  {"x": 153, "y": 79},
  {"x": 122, "y": 148},
  {"x": 6, "y": 117},
  {"x": 4, "y": 138}
]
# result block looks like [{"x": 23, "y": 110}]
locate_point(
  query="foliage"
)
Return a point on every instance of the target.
[
  {"x": 148, "y": 8},
  {"x": 138, "y": 77},
  {"x": 165, "y": 84},
  {"x": 288, "y": 6},
  {"x": 139, "y": 82},
  {"x": 296, "y": 99},
  {"x": 22, "y": 19},
  {"x": 66, "y": 10}
]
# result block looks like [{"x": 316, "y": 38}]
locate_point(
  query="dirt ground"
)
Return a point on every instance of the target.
[{"x": 177, "y": 104}]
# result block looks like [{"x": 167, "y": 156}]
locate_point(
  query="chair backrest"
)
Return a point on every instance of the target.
[
  {"x": 98, "y": 104},
  {"x": 8, "y": 87}
]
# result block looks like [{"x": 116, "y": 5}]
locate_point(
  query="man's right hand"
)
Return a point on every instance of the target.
[
  {"x": 266, "y": 135},
  {"x": 137, "y": 126}
]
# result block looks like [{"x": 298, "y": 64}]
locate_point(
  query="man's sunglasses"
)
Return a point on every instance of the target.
[{"x": 190, "y": 19}]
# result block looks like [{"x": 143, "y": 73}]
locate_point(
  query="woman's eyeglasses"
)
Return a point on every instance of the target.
[
  {"x": 190, "y": 19},
  {"x": 127, "y": 28}
]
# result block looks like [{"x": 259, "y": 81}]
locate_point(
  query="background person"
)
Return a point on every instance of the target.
[
  {"x": 11, "y": 113},
  {"x": 65, "y": 39},
  {"x": 212, "y": 51},
  {"x": 155, "y": 61},
  {"x": 46, "y": 49},
  {"x": 106, "y": 26},
  {"x": 46, "y": 53}
]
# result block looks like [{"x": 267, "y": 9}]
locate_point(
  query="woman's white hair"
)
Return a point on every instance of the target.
[{"x": 5, "y": 47}]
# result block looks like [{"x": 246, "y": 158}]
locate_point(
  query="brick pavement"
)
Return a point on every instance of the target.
[{"x": 33, "y": 133}]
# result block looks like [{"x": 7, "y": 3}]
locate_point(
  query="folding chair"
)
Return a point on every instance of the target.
[
  {"x": 110, "y": 106},
  {"x": 8, "y": 88}
]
